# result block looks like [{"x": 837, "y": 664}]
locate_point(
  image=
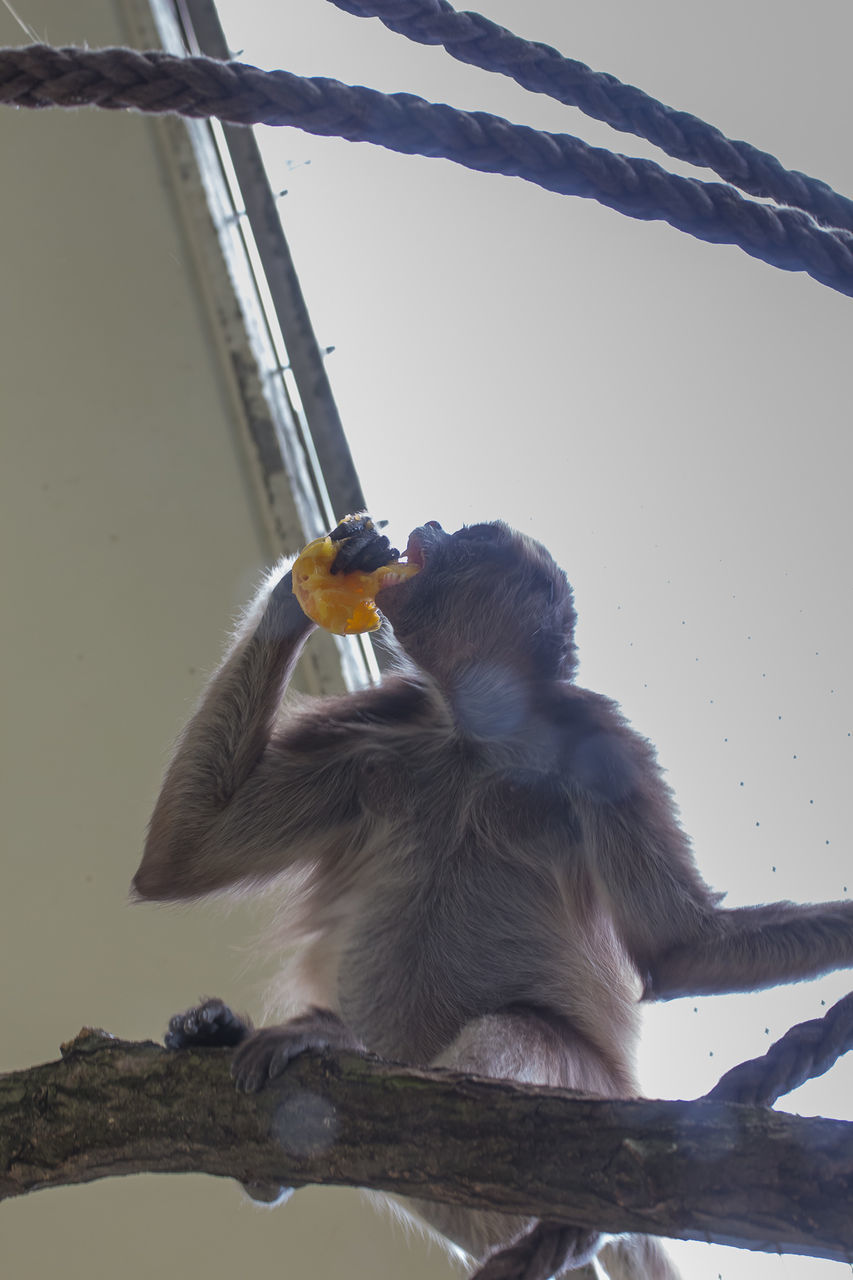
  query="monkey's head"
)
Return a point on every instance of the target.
[{"x": 487, "y": 599}]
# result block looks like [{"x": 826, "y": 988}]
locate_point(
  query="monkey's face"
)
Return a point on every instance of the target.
[{"x": 486, "y": 596}]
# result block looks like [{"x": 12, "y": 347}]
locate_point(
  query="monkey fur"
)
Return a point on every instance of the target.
[{"x": 487, "y": 870}]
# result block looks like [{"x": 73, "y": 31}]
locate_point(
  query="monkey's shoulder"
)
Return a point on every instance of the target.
[
  {"x": 332, "y": 722},
  {"x": 578, "y": 751},
  {"x": 598, "y": 751},
  {"x": 405, "y": 751}
]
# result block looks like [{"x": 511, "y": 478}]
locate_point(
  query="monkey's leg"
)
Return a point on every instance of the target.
[
  {"x": 537, "y": 1047},
  {"x": 516, "y": 1045},
  {"x": 530, "y": 1046},
  {"x": 752, "y": 947}
]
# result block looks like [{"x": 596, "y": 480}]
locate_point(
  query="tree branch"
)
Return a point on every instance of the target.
[{"x": 706, "y": 1170}]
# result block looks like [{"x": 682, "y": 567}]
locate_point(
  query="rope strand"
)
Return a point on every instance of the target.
[
  {"x": 473, "y": 39},
  {"x": 809, "y": 1049},
  {"x": 118, "y": 79}
]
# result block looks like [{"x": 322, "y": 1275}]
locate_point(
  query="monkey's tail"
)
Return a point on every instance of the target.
[{"x": 554, "y": 1249}]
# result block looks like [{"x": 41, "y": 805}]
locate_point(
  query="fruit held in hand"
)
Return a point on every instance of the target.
[{"x": 342, "y": 603}]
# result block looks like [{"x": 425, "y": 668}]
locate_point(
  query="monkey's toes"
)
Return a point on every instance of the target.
[
  {"x": 207, "y": 1025},
  {"x": 266, "y": 1054}
]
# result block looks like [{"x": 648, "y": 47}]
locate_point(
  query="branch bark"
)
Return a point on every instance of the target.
[{"x": 719, "y": 1172}]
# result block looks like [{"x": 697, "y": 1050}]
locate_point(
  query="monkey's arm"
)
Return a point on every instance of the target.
[
  {"x": 684, "y": 944},
  {"x": 747, "y": 948},
  {"x": 681, "y": 940},
  {"x": 232, "y": 799}
]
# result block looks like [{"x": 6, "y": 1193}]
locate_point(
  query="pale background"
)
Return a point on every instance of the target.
[{"x": 671, "y": 417}]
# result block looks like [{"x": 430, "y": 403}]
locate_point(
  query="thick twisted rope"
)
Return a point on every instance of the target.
[
  {"x": 807, "y": 1050},
  {"x": 117, "y": 79},
  {"x": 476, "y": 40}
]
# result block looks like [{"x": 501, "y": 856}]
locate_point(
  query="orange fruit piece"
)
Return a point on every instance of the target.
[{"x": 342, "y": 603}]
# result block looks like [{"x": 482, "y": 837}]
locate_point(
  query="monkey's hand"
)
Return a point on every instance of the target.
[
  {"x": 265, "y": 1054},
  {"x": 336, "y": 578},
  {"x": 358, "y": 545},
  {"x": 210, "y": 1024}
]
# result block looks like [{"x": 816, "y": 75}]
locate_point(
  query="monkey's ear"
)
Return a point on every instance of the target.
[
  {"x": 603, "y": 764},
  {"x": 541, "y": 580}
]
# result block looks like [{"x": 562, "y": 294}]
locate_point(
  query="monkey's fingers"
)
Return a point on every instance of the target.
[
  {"x": 363, "y": 552},
  {"x": 209, "y": 1024},
  {"x": 348, "y": 525},
  {"x": 265, "y": 1055},
  {"x": 361, "y": 546}
]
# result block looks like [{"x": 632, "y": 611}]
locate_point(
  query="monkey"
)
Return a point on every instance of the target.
[{"x": 485, "y": 861}]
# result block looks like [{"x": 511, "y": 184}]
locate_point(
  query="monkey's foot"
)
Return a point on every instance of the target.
[
  {"x": 548, "y": 1249},
  {"x": 266, "y": 1053},
  {"x": 207, "y": 1025}
]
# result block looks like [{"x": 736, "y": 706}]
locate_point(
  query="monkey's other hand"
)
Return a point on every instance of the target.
[
  {"x": 266, "y": 1053},
  {"x": 360, "y": 546},
  {"x": 210, "y": 1024}
]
